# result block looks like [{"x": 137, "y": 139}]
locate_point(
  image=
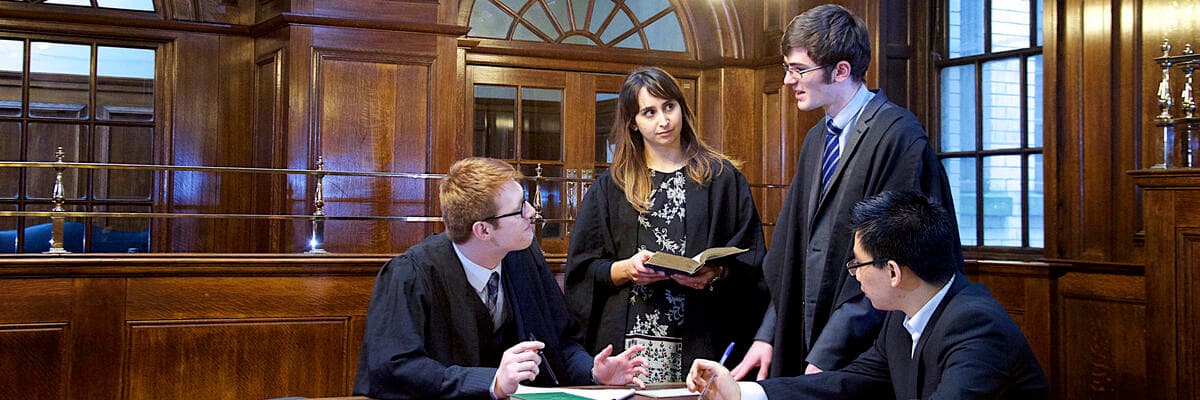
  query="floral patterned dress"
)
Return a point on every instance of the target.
[{"x": 656, "y": 311}]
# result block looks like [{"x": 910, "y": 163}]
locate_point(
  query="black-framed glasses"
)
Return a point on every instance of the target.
[
  {"x": 799, "y": 73},
  {"x": 520, "y": 211},
  {"x": 851, "y": 265}
]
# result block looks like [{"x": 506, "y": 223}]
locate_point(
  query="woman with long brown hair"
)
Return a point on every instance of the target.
[{"x": 666, "y": 191}]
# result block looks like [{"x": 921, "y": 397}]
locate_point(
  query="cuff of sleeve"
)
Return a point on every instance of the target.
[
  {"x": 492, "y": 389},
  {"x": 752, "y": 391}
]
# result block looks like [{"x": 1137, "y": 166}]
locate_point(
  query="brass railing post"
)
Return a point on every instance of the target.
[
  {"x": 318, "y": 221},
  {"x": 57, "y": 220}
]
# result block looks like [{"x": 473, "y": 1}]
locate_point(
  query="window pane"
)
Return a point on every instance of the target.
[
  {"x": 71, "y": 2},
  {"x": 43, "y": 140},
  {"x": 1037, "y": 214},
  {"x": 634, "y": 41},
  {"x": 958, "y": 108},
  {"x": 1010, "y": 25},
  {"x": 12, "y": 59},
  {"x": 606, "y": 112},
  {"x": 559, "y": 9},
  {"x": 1002, "y": 104},
  {"x": 10, "y": 150},
  {"x": 125, "y": 84},
  {"x": 619, "y": 25},
  {"x": 666, "y": 34},
  {"x": 8, "y": 230},
  {"x": 58, "y": 82},
  {"x": 536, "y": 15},
  {"x": 495, "y": 110},
  {"x": 1037, "y": 10},
  {"x": 522, "y": 32},
  {"x": 489, "y": 21},
  {"x": 120, "y": 235},
  {"x": 601, "y": 9},
  {"x": 551, "y": 196},
  {"x": 123, "y": 145},
  {"x": 38, "y": 231},
  {"x": 138, "y": 5},
  {"x": 644, "y": 9},
  {"x": 580, "y": 7},
  {"x": 1002, "y": 201},
  {"x": 966, "y": 27},
  {"x": 541, "y": 124},
  {"x": 961, "y": 174},
  {"x": 1033, "y": 96}
]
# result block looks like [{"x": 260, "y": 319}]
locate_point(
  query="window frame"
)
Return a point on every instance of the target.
[
  {"x": 941, "y": 60},
  {"x": 87, "y": 199}
]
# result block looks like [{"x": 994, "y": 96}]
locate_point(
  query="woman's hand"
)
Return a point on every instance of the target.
[
  {"x": 703, "y": 277},
  {"x": 634, "y": 269}
]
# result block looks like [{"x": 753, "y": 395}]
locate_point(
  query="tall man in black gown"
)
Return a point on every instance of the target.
[
  {"x": 945, "y": 338},
  {"x": 818, "y": 319},
  {"x": 472, "y": 312}
]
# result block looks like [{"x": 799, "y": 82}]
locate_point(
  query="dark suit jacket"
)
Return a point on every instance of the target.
[
  {"x": 721, "y": 213},
  {"x": 887, "y": 149},
  {"x": 970, "y": 349},
  {"x": 427, "y": 330}
]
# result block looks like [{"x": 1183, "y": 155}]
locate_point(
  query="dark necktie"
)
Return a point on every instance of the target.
[
  {"x": 493, "y": 289},
  {"x": 830, "y": 161}
]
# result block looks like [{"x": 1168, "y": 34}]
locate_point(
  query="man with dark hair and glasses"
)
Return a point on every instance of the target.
[
  {"x": 818, "y": 318},
  {"x": 474, "y": 311},
  {"x": 944, "y": 337}
]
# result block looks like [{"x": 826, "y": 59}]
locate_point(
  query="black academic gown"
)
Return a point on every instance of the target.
[
  {"x": 887, "y": 149},
  {"x": 429, "y": 336},
  {"x": 719, "y": 214},
  {"x": 970, "y": 349}
]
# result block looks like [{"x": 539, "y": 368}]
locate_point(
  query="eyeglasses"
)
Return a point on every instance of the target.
[
  {"x": 520, "y": 211},
  {"x": 797, "y": 72},
  {"x": 851, "y": 265}
]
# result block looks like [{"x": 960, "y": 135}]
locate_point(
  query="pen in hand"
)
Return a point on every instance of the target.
[
  {"x": 724, "y": 357},
  {"x": 546, "y": 363}
]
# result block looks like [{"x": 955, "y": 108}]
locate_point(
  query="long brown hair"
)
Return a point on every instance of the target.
[{"x": 629, "y": 169}]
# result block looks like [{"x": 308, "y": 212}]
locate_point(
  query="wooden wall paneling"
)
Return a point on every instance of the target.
[
  {"x": 1027, "y": 291},
  {"x": 97, "y": 316},
  {"x": 300, "y": 72},
  {"x": 35, "y": 357},
  {"x": 35, "y": 360},
  {"x": 223, "y": 359},
  {"x": 208, "y": 124},
  {"x": 373, "y": 116},
  {"x": 270, "y": 142},
  {"x": 1095, "y": 131},
  {"x": 1101, "y": 342},
  {"x": 169, "y": 298}
]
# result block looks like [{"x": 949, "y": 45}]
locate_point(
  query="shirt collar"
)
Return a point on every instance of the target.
[
  {"x": 915, "y": 324},
  {"x": 477, "y": 275},
  {"x": 850, "y": 112}
]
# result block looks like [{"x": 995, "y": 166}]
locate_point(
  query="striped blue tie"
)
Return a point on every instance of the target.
[
  {"x": 832, "y": 153},
  {"x": 493, "y": 289}
]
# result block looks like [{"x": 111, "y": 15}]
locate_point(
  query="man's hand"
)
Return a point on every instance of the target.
[
  {"x": 759, "y": 356},
  {"x": 621, "y": 369},
  {"x": 712, "y": 376},
  {"x": 812, "y": 369},
  {"x": 634, "y": 269},
  {"x": 703, "y": 277},
  {"x": 519, "y": 363}
]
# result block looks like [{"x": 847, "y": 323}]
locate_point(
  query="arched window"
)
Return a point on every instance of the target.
[{"x": 642, "y": 24}]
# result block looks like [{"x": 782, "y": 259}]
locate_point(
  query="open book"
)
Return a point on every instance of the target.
[
  {"x": 673, "y": 264},
  {"x": 579, "y": 393}
]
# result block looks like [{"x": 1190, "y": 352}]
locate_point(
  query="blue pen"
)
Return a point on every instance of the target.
[{"x": 724, "y": 357}]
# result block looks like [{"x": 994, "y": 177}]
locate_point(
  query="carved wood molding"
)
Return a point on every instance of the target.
[
  {"x": 109, "y": 18},
  {"x": 291, "y": 19},
  {"x": 93, "y": 265}
]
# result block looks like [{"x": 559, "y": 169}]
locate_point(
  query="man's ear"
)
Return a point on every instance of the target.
[
  {"x": 481, "y": 230},
  {"x": 841, "y": 71},
  {"x": 895, "y": 273}
]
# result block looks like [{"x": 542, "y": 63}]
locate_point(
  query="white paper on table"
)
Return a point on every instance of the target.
[{"x": 596, "y": 394}]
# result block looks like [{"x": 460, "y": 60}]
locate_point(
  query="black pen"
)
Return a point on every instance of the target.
[{"x": 545, "y": 363}]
